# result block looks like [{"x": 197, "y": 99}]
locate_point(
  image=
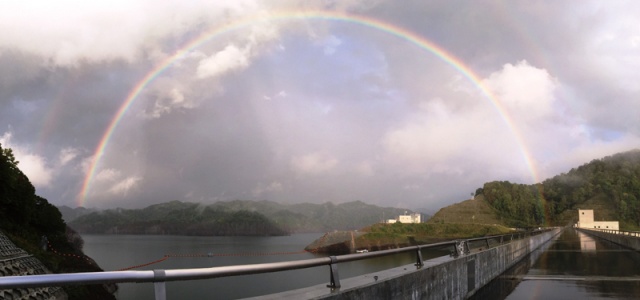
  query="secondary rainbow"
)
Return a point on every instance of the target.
[{"x": 392, "y": 29}]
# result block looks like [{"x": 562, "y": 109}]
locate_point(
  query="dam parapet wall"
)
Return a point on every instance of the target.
[{"x": 441, "y": 278}]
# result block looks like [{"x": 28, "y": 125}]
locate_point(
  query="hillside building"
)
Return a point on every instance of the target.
[
  {"x": 586, "y": 220},
  {"x": 406, "y": 218}
]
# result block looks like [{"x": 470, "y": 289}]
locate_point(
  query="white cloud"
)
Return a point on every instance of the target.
[
  {"x": 35, "y": 167},
  {"x": 526, "y": 92},
  {"x": 125, "y": 185},
  {"x": 172, "y": 100},
  {"x": 66, "y": 32},
  {"x": 67, "y": 155},
  {"x": 330, "y": 44},
  {"x": 230, "y": 58},
  {"x": 32, "y": 165},
  {"x": 107, "y": 175},
  {"x": 431, "y": 135},
  {"x": 313, "y": 163}
]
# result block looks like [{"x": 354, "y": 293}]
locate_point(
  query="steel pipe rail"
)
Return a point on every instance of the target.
[
  {"x": 159, "y": 276},
  {"x": 149, "y": 275},
  {"x": 613, "y": 231}
]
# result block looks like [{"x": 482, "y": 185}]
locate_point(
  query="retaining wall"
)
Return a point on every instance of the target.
[
  {"x": 442, "y": 278},
  {"x": 629, "y": 241},
  {"x": 15, "y": 261}
]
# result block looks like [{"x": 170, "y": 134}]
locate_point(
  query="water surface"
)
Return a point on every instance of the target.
[{"x": 114, "y": 252}]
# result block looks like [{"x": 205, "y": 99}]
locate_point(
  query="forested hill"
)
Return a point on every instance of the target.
[
  {"x": 26, "y": 218},
  {"x": 611, "y": 185},
  {"x": 237, "y": 217},
  {"x": 177, "y": 218}
]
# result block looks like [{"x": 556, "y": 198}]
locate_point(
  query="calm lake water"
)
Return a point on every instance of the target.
[
  {"x": 114, "y": 252},
  {"x": 574, "y": 266}
]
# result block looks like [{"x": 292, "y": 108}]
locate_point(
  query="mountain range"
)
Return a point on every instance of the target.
[{"x": 238, "y": 217}]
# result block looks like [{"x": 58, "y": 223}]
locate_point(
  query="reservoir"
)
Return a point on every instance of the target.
[
  {"x": 115, "y": 252},
  {"x": 573, "y": 266}
]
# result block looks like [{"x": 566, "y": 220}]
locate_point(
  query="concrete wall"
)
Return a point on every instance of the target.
[
  {"x": 628, "y": 241},
  {"x": 16, "y": 262},
  {"x": 444, "y": 278},
  {"x": 585, "y": 215},
  {"x": 614, "y": 225}
]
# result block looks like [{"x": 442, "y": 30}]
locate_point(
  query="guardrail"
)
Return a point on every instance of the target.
[
  {"x": 160, "y": 276},
  {"x": 619, "y": 232}
]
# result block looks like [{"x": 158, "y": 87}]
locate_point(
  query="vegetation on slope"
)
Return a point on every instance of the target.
[
  {"x": 26, "y": 217},
  {"x": 387, "y": 236},
  {"x": 310, "y": 217},
  {"x": 233, "y": 218},
  {"x": 610, "y": 184},
  {"x": 475, "y": 211},
  {"x": 423, "y": 233},
  {"x": 178, "y": 218}
]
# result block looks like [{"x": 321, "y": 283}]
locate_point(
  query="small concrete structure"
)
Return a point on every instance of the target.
[
  {"x": 406, "y": 218},
  {"x": 586, "y": 220}
]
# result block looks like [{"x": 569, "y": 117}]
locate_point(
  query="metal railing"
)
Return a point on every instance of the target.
[
  {"x": 618, "y": 232},
  {"x": 160, "y": 276}
]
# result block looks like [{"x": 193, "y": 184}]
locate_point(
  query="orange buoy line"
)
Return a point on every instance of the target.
[
  {"x": 50, "y": 247},
  {"x": 210, "y": 254},
  {"x": 144, "y": 265},
  {"x": 167, "y": 256}
]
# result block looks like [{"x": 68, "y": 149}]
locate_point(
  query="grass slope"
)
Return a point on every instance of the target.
[{"x": 476, "y": 211}]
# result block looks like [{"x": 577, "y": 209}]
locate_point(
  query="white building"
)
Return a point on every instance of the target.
[
  {"x": 406, "y": 218},
  {"x": 585, "y": 220}
]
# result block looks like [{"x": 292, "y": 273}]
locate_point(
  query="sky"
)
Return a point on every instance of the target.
[{"x": 411, "y": 104}]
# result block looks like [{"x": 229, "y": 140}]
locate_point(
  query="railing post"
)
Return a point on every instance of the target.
[
  {"x": 159, "y": 285},
  {"x": 462, "y": 248},
  {"x": 419, "y": 262},
  {"x": 335, "y": 277}
]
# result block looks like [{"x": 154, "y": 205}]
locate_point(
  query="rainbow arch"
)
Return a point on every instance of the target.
[{"x": 389, "y": 28}]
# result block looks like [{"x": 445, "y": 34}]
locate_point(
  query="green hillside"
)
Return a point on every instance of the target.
[
  {"x": 610, "y": 186},
  {"x": 178, "y": 218},
  {"x": 476, "y": 211},
  {"x": 236, "y": 217},
  {"x": 26, "y": 218}
]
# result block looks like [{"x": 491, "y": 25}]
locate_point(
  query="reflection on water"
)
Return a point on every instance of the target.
[
  {"x": 587, "y": 243},
  {"x": 575, "y": 266},
  {"x": 115, "y": 252},
  {"x": 507, "y": 282}
]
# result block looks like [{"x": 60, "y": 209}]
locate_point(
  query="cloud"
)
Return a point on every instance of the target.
[
  {"x": 330, "y": 44},
  {"x": 68, "y": 154},
  {"x": 68, "y": 32},
  {"x": 108, "y": 175},
  {"x": 261, "y": 189},
  {"x": 125, "y": 185},
  {"x": 435, "y": 133},
  {"x": 313, "y": 163},
  {"x": 230, "y": 58},
  {"x": 34, "y": 166},
  {"x": 366, "y": 114},
  {"x": 169, "y": 102},
  {"x": 526, "y": 92},
  {"x": 365, "y": 168}
]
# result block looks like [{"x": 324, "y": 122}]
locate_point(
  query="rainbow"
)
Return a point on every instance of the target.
[{"x": 391, "y": 29}]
